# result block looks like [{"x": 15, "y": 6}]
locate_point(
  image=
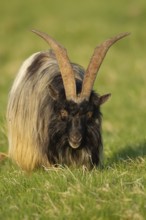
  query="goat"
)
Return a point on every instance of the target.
[{"x": 53, "y": 114}]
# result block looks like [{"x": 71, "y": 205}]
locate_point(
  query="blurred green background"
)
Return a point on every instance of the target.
[
  {"x": 119, "y": 190},
  {"x": 80, "y": 26}
]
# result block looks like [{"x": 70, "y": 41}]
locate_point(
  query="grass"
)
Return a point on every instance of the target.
[{"x": 118, "y": 190}]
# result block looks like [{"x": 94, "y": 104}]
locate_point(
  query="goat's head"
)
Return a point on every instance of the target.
[
  {"x": 75, "y": 122},
  {"x": 79, "y": 106}
]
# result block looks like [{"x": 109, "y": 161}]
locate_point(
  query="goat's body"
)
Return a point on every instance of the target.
[
  {"x": 53, "y": 114},
  {"x": 30, "y": 112}
]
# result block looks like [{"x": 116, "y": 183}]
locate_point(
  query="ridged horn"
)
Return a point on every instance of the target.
[
  {"x": 95, "y": 63},
  {"x": 64, "y": 65}
]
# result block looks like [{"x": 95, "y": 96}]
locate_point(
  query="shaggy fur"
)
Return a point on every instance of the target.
[{"x": 41, "y": 120}]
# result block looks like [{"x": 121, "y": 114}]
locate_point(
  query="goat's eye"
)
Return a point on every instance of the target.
[
  {"x": 64, "y": 114},
  {"x": 89, "y": 114}
]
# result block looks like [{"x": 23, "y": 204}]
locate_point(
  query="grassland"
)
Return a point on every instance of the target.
[{"x": 118, "y": 191}]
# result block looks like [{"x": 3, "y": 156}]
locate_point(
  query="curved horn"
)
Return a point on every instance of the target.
[
  {"x": 64, "y": 65},
  {"x": 95, "y": 63}
]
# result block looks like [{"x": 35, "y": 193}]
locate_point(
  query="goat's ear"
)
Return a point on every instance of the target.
[
  {"x": 104, "y": 98},
  {"x": 53, "y": 93}
]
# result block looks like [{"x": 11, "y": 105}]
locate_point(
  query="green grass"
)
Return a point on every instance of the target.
[{"x": 117, "y": 191}]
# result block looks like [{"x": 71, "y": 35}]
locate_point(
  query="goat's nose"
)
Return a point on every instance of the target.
[{"x": 76, "y": 138}]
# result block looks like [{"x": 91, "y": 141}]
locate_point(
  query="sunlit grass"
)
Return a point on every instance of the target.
[{"x": 118, "y": 190}]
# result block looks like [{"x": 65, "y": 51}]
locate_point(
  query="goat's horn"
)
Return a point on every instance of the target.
[
  {"x": 64, "y": 65},
  {"x": 94, "y": 65}
]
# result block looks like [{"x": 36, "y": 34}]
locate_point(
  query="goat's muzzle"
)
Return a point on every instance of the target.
[{"x": 75, "y": 140}]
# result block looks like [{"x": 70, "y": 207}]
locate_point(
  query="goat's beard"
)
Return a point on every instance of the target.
[{"x": 60, "y": 151}]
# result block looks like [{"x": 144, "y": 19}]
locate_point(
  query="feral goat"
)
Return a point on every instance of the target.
[{"x": 53, "y": 114}]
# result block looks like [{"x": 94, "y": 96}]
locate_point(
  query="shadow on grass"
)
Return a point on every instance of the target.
[{"x": 133, "y": 152}]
